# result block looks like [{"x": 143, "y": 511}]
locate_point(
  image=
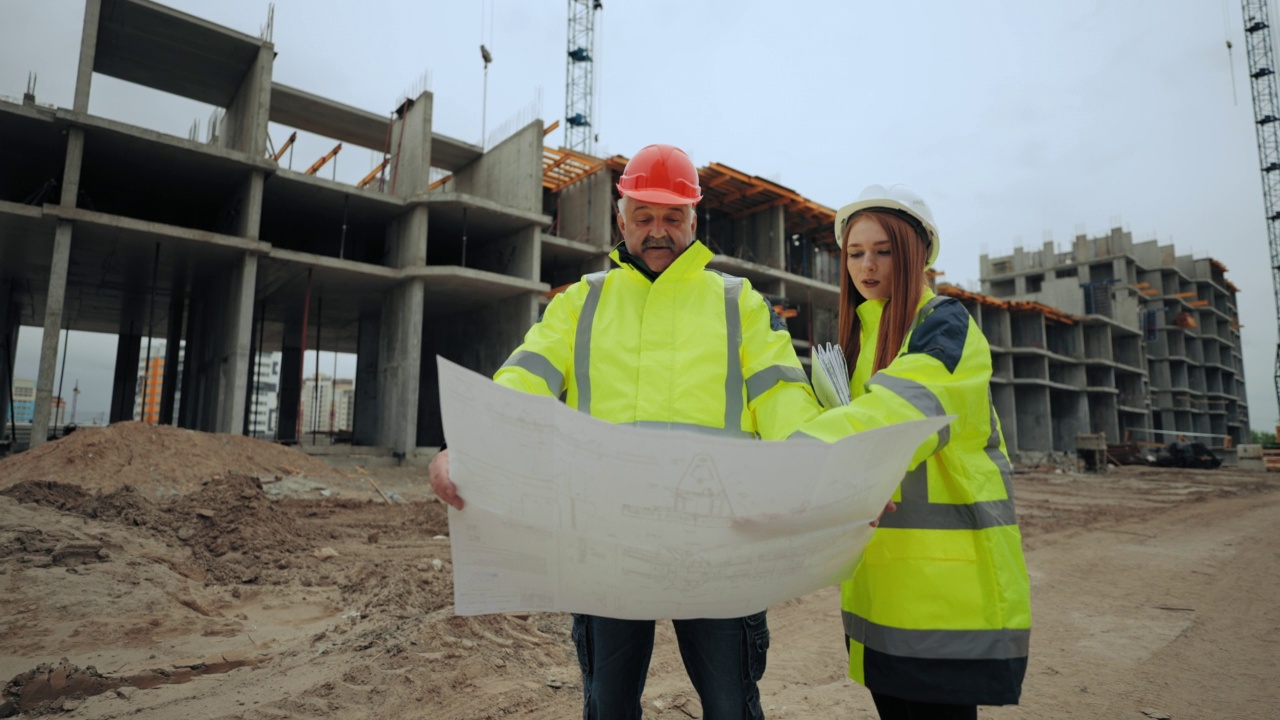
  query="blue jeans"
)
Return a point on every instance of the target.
[{"x": 724, "y": 659}]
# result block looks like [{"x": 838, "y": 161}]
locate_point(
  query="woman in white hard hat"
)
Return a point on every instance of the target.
[{"x": 937, "y": 614}]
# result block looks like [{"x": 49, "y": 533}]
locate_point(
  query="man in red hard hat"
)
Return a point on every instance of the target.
[{"x": 661, "y": 341}]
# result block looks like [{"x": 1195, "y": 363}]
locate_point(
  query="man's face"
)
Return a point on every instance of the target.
[{"x": 657, "y": 234}]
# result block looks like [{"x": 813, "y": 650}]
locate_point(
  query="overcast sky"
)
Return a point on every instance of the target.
[{"x": 1017, "y": 121}]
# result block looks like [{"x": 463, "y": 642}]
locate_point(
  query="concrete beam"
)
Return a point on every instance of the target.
[
  {"x": 54, "y": 300},
  {"x": 147, "y": 231},
  {"x": 314, "y": 114}
]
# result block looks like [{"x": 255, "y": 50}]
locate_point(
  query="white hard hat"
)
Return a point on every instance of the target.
[{"x": 895, "y": 197}]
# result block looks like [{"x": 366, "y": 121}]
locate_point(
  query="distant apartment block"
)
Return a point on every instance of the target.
[
  {"x": 23, "y": 401},
  {"x": 1116, "y": 337}
]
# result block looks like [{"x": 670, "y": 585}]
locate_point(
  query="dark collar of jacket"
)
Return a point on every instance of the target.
[{"x": 694, "y": 259}]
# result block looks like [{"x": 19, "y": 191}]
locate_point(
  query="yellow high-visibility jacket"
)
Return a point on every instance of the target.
[
  {"x": 938, "y": 610},
  {"x": 693, "y": 349}
]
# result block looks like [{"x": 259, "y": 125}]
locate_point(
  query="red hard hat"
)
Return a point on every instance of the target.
[{"x": 661, "y": 174}]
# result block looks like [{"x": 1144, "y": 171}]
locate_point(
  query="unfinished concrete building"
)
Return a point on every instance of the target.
[
  {"x": 211, "y": 245},
  {"x": 1115, "y": 337}
]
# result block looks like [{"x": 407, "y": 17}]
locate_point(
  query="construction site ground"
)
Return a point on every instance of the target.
[{"x": 160, "y": 573}]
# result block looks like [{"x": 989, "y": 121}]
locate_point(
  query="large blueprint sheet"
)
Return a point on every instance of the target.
[{"x": 567, "y": 513}]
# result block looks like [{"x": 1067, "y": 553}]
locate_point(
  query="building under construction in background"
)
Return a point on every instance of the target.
[
  {"x": 1126, "y": 339},
  {"x": 450, "y": 249}
]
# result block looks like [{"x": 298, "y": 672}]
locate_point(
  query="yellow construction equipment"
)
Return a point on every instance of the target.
[
  {"x": 320, "y": 163},
  {"x": 285, "y": 147},
  {"x": 373, "y": 173}
]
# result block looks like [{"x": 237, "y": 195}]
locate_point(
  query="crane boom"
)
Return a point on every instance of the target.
[{"x": 1266, "y": 115}]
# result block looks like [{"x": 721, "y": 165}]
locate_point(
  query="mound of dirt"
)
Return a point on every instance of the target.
[
  {"x": 155, "y": 459},
  {"x": 235, "y": 532}
]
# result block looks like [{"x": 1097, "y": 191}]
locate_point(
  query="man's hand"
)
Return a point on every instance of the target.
[
  {"x": 438, "y": 471},
  {"x": 891, "y": 507}
]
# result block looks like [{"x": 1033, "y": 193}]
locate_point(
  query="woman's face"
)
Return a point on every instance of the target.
[{"x": 869, "y": 259}]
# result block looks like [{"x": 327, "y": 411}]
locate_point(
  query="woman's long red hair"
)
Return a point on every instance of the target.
[{"x": 910, "y": 253}]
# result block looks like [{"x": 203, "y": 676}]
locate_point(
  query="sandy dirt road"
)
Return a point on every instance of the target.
[{"x": 259, "y": 593}]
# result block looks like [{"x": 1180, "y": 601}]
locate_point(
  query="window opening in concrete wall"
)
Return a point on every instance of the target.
[
  {"x": 1035, "y": 282},
  {"x": 1003, "y": 288}
]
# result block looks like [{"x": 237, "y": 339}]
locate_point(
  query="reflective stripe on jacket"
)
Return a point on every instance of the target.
[
  {"x": 938, "y": 610},
  {"x": 694, "y": 349}
]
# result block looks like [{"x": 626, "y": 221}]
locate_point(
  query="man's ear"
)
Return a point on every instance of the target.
[
  {"x": 693, "y": 228},
  {"x": 622, "y": 224}
]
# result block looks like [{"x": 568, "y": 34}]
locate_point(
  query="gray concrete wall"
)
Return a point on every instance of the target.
[
  {"x": 518, "y": 255},
  {"x": 455, "y": 338},
  {"x": 1061, "y": 293},
  {"x": 411, "y": 148},
  {"x": 1032, "y": 418},
  {"x": 509, "y": 174},
  {"x": 244, "y": 127},
  {"x": 1070, "y": 415},
  {"x": 1097, "y": 341},
  {"x": 585, "y": 210}
]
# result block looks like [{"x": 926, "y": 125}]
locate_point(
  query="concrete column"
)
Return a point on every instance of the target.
[
  {"x": 365, "y": 431},
  {"x": 172, "y": 352},
  {"x": 9, "y": 326},
  {"x": 52, "y": 326},
  {"x": 291, "y": 378},
  {"x": 242, "y": 214},
  {"x": 188, "y": 409},
  {"x": 407, "y": 239},
  {"x": 124, "y": 386},
  {"x": 244, "y": 127},
  {"x": 88, "y": 51},
  {"x": 411, "y": 148},
  {"x": 399, "y": 365},
  {"x": 71, "y": 169},
  {"x": 233, "y": 363},
  {"x": 772, "y": 229}
]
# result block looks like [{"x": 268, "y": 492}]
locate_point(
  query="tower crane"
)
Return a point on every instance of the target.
[
  {"x": 1266, "y": 115},
  {"x": 579, "y": 75}
]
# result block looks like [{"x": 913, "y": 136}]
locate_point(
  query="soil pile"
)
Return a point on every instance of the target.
[{"x": 157, "y": 460}]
